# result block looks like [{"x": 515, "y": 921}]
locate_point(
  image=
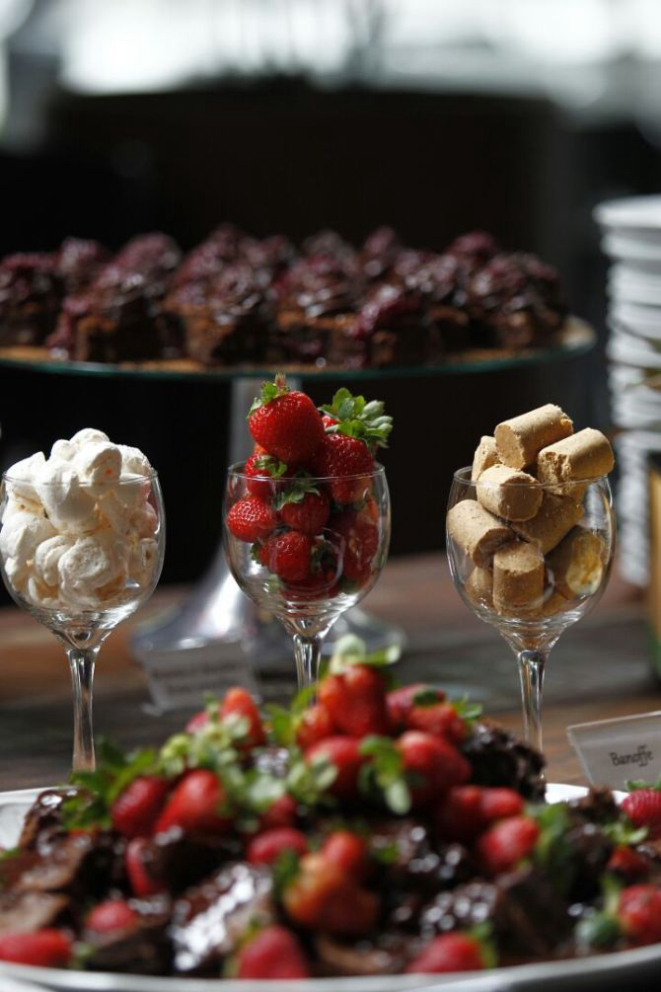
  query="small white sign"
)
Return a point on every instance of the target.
[
  {"x": 614, "y": 751},
  {"x": 180, "y": 683}
]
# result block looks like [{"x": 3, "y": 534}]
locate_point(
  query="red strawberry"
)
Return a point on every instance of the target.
[
  {"x": 289, "y": 555},
  {"x": 506, "y": 843},
  {"x": 194, "y": 804},
  {"x": 343, "y": 753},
  {"x": 251, "y": 519},
  {"x": 459, "y": 817},
  {"x": 309, "y": 515},
  {"x": 356, "y": 701},
  {"x": 316, "y": 724},
  {"x": 498, "y": 803},
  {"x": 286, "y": 423},
  {"x": 437, "y": 763},
  {"x": 265, "y": 848},
  {"x": 346, "y": 850},
  {"x": 643, "y": 807},
  {"x": 273, "y": 953},
  {"x": 262, "y": 471},
  {"x": 639, "y": 913},
  {"x": 45, "y": 948},
  {"x": 450, "y": 952},
  {"x": 328, "y": 421},
  {"x": 401, "y": 701},
  {"x": 282, "y": 813},
  {"x": 113, "y": 914},
  {"x": 439, "y": 719},
  {"x": 238, "y": 702},
  {"x": 361, "y": 542},
  {"x": 136, "y": 809},
  {"x": 339, "y": 457},
  {"x": 627, "y": 862},
  {"x": 137, "y": 859},
  {"x": 197, "y": 721},
  {"x": 325, "y": 897}
]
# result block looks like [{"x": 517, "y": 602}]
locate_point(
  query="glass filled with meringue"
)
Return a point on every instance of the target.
[{"x": 82, "y": 541}]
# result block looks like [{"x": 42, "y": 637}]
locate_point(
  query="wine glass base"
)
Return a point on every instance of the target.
[{"x": 219, "y": 638}]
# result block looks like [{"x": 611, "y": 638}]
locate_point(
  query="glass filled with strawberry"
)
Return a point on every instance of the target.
[{"x": 307, "y": 516}]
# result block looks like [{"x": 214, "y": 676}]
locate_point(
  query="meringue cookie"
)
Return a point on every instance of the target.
[
  {"x": 16, "y": 572},
  {"x": 47, "y": 557},
  {"x": 21, "y": 535},
  {"x": 21, "y": 476},
  {"x": 87, "y": 565},
  {"x": 78, "y": 531},
  {"x": 63, "y": 451},
  {"x": 144, "y": 522},
  {"x": 134, "y": 461},
  {"x": 88, "y": 435},
  {"x": 67, "y": 504},
  {"x": 99, "y": 466},
  {"x": 142, "y": 561}
]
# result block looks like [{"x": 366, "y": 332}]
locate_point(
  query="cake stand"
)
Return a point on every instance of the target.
[{"x": 217, "y": 636}]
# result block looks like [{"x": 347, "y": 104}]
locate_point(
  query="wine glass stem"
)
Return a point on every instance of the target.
[
  {"x": 81, "y": 663},
  {"x": 308, "y": 655},
  {"x": 531, "y": 673}
]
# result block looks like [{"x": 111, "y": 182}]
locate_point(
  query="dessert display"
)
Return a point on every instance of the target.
[
  {"x": 524, "y": 525},
  {"x": 377, "y": 830},
  {"x": 79, "y": 532},
  {"x": 307, "y": 517},
  {"x": 239, "y": 300}
]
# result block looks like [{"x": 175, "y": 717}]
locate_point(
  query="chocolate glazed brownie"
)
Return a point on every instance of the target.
[{"x": 236, "y": 300}]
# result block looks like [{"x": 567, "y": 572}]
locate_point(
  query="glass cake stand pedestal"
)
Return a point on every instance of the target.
[{"x": 217, "y": 636}]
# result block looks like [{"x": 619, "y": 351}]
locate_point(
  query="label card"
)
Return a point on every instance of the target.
[
  {"x": 179, "y": 683},
  {"x": 614, "y": 751}
]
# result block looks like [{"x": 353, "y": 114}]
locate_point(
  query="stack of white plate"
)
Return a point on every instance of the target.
[{"x": 632, "y": 239}]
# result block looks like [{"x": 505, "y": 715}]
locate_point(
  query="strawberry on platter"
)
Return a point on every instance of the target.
[{"x": 368, "y": 828}]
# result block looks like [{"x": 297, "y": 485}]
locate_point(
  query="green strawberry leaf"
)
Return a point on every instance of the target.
[
  {"x": 309, "y": 782},
  {"x": 270, "y": 465},
  {"x": 356, "y": 418},
  {"x": 633, "y": 784},
  {"x": 426, "y": 697},
  {"x": 597, "y": 930},
  {"x": 470, "y": 712},
  {"x": 484, "y": 935},
  {"x": 351, "y": 650},
  {"x": 623, "y": 833},
  {"x": 300, "y": 486},
  {"x": 284, "y": 870},
  {"x": 270, "y": 391},
  {"x": 384, "y": 775}
]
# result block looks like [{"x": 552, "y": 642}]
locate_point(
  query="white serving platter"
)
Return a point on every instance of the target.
[{"x": 601, "y": 972}]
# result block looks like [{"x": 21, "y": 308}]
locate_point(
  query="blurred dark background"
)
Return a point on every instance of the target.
[{"x": 281, "y": 116}]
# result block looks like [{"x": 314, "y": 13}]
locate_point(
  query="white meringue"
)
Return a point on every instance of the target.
[
  {"x": 64, "y": 451},
  {"x": 21, "y": 476},
  {"x": 88, "y": 435},
  {"x": 47, "y": 557},
  {"x": 78, "y": 531},
  {"x": 21, "y": 535},
  {"x": 99, "y": 466},
  {"x": 66, "y": 502},
  {"x": 134, "y": 461}
]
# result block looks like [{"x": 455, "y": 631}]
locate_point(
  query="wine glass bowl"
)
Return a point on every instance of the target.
[
  {"x": 80, "y": 560},
  {"x": 308, "y": 577},
  {"x": 530, "y": 578}
]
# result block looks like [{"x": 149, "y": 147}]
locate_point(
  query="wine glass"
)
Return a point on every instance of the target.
[
  {"x": 83, "y": 572},
  {"x": 307, "y": 579},
  {"x": 533, "y": 578}
]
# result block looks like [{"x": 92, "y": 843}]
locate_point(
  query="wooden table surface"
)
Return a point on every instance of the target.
[{"x": 599, "y": 669}]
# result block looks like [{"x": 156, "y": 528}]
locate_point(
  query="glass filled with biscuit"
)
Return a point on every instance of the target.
[{"x": 530, "y": 537}]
